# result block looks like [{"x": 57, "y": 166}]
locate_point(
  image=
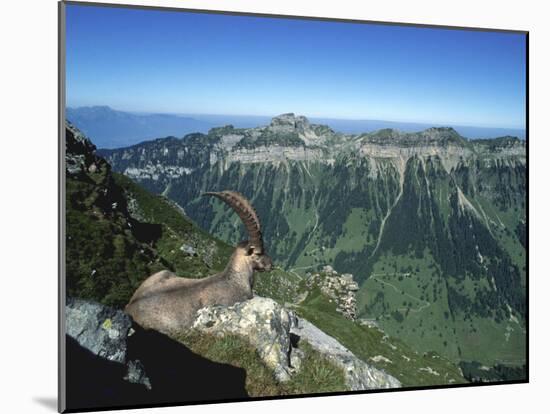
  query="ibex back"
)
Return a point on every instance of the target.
[{"x": 168, "y": 303}]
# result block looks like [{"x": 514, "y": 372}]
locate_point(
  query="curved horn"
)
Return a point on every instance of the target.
[{"x": 247, "y": 214}]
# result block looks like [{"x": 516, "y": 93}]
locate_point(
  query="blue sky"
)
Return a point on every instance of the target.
[{"x": 179, "y": 62}]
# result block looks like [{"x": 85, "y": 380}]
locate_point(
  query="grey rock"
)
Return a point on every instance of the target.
[
  {"x": 359, "y": 375},
  {"x": 74, "y": 163},
  {"x": 267, "y": 326},
  {"x": 136, "y": 374},
  {"x": 79, "y": 151},
  {"x": 188, "y": 250},
  {"x": 271, "y": 154},
  {"x": 261, "y": 321},
  {"x": 100, "y": 329},
  {"x": 371, "y": 323},
  {"x": 104, "y": 331},
  {"x": 289, "y": 122},
  {"x": 296, "y": 358}
]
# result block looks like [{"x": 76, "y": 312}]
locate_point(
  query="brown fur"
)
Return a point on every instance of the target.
[{"x": 168, "y": 303}]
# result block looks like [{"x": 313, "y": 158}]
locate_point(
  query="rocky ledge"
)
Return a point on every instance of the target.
[
  {"x": 106, "y": 350},
  {"x": 261, "y": 321},
  {"x": 276, "y": 333}
]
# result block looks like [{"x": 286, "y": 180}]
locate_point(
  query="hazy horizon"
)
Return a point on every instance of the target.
[
  {"x": 310, "y": 117},
  {"x": 112, "y": 128},
  {"x": 263, "y": 117}
]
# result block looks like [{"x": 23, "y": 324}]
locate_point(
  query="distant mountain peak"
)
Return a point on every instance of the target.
[
  {"x": 290, "y": 121},
  {"x": 442, "y": 131}
]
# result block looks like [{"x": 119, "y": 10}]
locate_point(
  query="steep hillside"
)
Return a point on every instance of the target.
[
  {"x": 118, "y": 233},
  {"x": 431, "y": 225}
]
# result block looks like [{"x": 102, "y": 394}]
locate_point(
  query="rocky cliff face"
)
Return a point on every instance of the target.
[{"x": 431, "y": 225}]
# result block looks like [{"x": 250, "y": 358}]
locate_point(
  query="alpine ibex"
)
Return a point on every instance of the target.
[{"x": 168, "y": 303}]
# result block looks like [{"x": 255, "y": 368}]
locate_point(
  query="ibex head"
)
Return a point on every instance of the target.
[{"x": 253, "y": 248}]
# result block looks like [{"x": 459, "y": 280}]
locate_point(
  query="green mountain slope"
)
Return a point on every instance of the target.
[
  {"x": 118, "y": 234},
  {"x": 374, "y": 345}
]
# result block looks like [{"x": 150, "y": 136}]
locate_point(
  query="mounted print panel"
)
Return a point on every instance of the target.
[{"x": 258, "y": 206}]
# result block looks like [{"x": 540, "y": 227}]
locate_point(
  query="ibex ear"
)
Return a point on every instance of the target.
[{"x": 250, "y": 250}]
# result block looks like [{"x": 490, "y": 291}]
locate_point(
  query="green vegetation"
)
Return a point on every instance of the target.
[
  {"x": 437, "y": 135},
  {"x": 317, "y": 374},
  {"x": 429, "y": 320},
  {"x": 106, "y": 257},
  {"x": 475, "y": 372},
  {"x": 408, "y": 366},
  {"x": 211, "y": 254},
  {"x": 278, "y": 285},
  {"x": 497, "y": 143},
  {"x": 119, "y": 233}
]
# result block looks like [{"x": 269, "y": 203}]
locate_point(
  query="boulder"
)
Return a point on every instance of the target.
[
  {"x": 189, "y": 250},
  {"x": 276, "y": 334},
  {"x": 100, "y": 329},
  {"x": 262, "y": 321}
]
